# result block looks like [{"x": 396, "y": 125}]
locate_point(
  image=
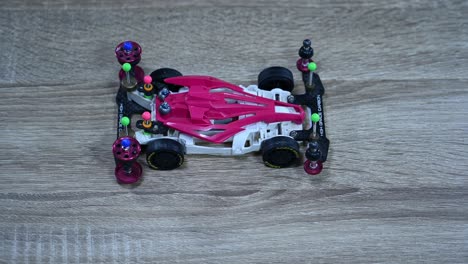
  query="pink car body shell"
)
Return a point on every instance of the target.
[{"x": 209, "y": 99}]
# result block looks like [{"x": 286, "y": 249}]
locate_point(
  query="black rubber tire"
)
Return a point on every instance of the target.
[
  {"x": 276, "y": 77},
  {"x": 159, "y": 75},
  {"x": 280, "y": 152},
  {"x": 164, "y": 154}
]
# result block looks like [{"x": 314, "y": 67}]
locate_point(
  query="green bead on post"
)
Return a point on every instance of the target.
[
  {"x": 315, "y": 117},
  {"x": 126, "y": 67},
  {"x": 125, "y": 121},
  {"x": 312, "y": 66}
]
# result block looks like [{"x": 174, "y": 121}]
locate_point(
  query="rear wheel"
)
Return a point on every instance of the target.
[
  {"x": 159, "y": 75},
  {"x": 280, "y": 152},
  {"x": 276, "y": 77},
  {"x": 164, "y": 154}
]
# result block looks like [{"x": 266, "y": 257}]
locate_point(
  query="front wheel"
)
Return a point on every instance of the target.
[
  {"x": 276, "y": 77},
  {"x": 164, "y": 154},
  {"x": 280, "y": 152},
  {"x": 160, "y": 75}
]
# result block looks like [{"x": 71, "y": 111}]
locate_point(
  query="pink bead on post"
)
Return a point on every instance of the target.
[
  {"x": 147, "y": 119},
  {"x": 148, "y": 87},
  {"x": 146, "y": 116},
  {"x": 147, "y": 79}
]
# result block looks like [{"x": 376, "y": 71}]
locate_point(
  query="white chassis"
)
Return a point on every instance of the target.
[{"x": 248, "y": 140}]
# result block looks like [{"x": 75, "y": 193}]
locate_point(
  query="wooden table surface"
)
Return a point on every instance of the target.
[{"x": 394, "y": 189}]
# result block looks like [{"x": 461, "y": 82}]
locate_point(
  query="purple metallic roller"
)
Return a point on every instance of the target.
[{"x": 128, "y": 51}]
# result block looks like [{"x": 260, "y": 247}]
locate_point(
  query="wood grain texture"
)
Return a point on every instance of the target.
[{"x": 394, "y": 189}]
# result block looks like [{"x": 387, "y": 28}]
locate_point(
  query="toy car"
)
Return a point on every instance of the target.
[{"x": 203, "y": 115}]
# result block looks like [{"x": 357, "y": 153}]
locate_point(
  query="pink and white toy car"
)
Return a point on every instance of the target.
[{"x": 179, "y": 115}]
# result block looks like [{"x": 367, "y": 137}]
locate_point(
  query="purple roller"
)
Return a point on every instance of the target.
[
  {"x": 128, "y": 51},
  {"x": 302, "y": 64},
  {"x": 128, "y": 173},
  {"x": 313, "y": 167},
  {"x": 124, "y": 152}
]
